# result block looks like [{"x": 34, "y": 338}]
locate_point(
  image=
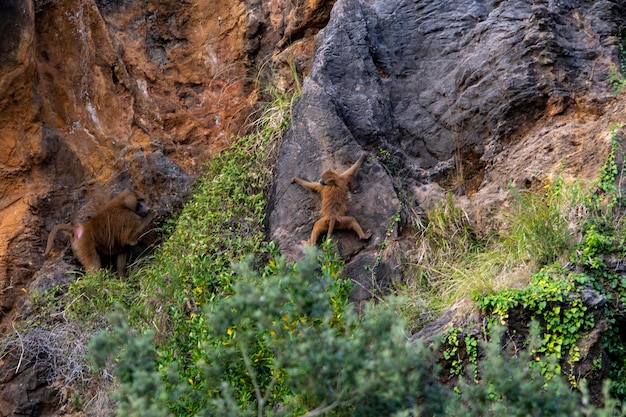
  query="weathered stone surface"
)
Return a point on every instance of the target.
[
  {"x": 29, "y": 394},
  {"x": 101, "y": 95},
  {"x": 500, "y": 92}
]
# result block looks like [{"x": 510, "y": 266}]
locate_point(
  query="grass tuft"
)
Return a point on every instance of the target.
[{"x": 452, "y": 264}]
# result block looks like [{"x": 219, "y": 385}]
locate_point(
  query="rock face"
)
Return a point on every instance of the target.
[
  {"x": 99, "y": 95},
  {"x": 480, "y": 94}
]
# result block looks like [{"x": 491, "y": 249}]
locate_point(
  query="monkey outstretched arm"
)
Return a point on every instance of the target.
[
  {"x": 349, "y": 173},
  {"x": 311, "y": 186},
  {"x": 143, "y": 227}
]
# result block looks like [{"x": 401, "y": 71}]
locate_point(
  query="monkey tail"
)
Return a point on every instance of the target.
[
  {"x": 59, "y": 227},
  {"x": 331, "y": 225}
]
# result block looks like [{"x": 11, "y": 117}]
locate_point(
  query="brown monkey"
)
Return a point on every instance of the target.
[
  {"x": 111, "y": 232},
  {"x": 333, "y": 187}
]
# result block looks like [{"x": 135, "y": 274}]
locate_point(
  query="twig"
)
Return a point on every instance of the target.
[
  {"x": 321, "y": 410},
  {"x": 19, "y": 363},
  {"x": 257, "y": 389}
]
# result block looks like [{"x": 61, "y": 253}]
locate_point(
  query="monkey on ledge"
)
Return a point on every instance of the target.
[
  {"x": 333, "y": 187},
  {"x": 111, "y": 232}
]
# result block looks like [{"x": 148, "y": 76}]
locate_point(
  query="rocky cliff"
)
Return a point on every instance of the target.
[
  {"x": 468, "y": 96},
  {"x": 98, "y": 96},
  {"x": 462, "y": 96}
]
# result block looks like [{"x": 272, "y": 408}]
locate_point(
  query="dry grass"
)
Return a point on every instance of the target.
[
  {"x": 451, "y": 263},
  {"x": 60, "y": 356}
]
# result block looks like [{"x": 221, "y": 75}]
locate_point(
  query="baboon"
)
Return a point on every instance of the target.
[
  {"x": 111, "y": 232},
  {"x": 333, "y": 187}
]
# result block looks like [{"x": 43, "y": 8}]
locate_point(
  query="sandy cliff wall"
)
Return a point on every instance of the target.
[
  {"x": 100, "y": 95},
  {"x": 97, "y": 96}
]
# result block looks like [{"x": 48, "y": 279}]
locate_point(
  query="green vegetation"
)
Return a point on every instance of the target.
[
  {"x": 452, "y": 262},
  {"x": 551, "y": 299},
  {"x": 551, "y": 245},
  {"x": 616, "y": 79},
  {"x": 451, "y": 340},
  {"x": 250, "y": 361},
  {"x": 509, "y": 387},
  {"x": 280, "y": 345}
]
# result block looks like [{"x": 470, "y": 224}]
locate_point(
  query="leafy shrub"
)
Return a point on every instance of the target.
[
  {"x": 143, "y": 390},
  {"x": 220, "y": 225},
  {"x": 278, "y": 345},
  {"x": 508, "y": 386},
  {"x": 552, "y": 299},
  {"x": 283, "y": 342}
]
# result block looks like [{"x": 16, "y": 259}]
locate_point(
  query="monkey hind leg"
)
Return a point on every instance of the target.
[
  {"x": 349, "y": 222},
  {"x": 331, "y": 226},
  {"x": 319, "y": 227},
  {"x": 85, "y": 251},
  {"x": 121, "y": 261}
]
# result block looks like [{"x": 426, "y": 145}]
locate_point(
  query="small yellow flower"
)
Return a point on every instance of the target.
[
  {"x": 190, "y": 381},
  {"x": 229, "y": 331}
]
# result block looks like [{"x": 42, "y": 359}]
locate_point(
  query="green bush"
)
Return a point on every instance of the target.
[
  {"x": 552, "y": 299},
  {"x": 143, "y": 392},
  {"x": 279, "y": 345},
  {"x": 284, "y": 342},
  {"x": 509, "y": 387}
]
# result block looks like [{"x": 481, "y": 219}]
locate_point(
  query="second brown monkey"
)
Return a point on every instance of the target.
[
  {"x": 111, "y": 232},
  {"x": 333, "y": 187}
]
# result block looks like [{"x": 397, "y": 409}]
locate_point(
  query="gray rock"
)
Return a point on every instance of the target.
[{"x": 430, "y": 82}]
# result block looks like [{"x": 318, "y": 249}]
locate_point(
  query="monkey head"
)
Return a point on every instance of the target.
[
  {"x": 329, "y": 177},
  {"x": 136, "y": 202},
  {"x": 142, "y": 210}
]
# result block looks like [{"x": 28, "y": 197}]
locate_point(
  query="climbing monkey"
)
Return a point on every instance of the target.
[
  {"x": 333, "y": 187},
  {"x": 111, "y": 232}
]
